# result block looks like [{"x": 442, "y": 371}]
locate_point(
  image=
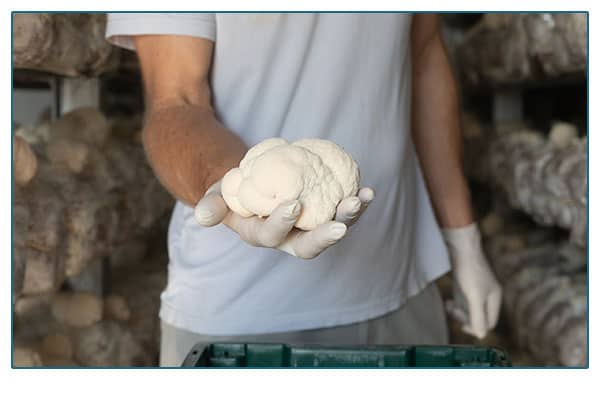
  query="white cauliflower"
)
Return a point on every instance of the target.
[{"x": 316, "y": 172}]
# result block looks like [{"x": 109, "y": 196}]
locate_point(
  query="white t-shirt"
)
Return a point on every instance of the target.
[{"x": 342, "y": 77}]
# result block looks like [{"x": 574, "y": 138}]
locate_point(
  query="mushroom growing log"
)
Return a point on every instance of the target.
[
  {"x": 545, "y": 178},
  {"x": 511, "y": 48},
  {"x": 77, "y": 309},
  {"x": 71, "y": 45},
  {"x": 107, "y": 344},
  {"x": 545, "y": 294},
  {"x": 71, "y": 215},
  {"x": 25, "y": 161}
]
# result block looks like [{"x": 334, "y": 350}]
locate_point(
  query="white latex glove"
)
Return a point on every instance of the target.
[
  {"x": 277, "y": 230},
  {"x": 477, "y": 293}
]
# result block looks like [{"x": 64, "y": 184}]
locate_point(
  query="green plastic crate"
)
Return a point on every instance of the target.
[{"x": 273, "y": 355}]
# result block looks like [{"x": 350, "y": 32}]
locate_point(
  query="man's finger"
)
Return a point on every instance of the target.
[
  {"x": 477, "y": 319},
  {"x": 312, "y": 243},
  {"x": 246, "y": 227},
  {"x": 351, "y": 208},
  {"x": 278, "y": 225},
  {"x": 469, "y": 331},
  {"x": 493, "y": 304},
  {"x": 211, "y": 209},
  {"x": 366, "y": 195},
  {"x": 348, "y": 210},
  {"x": 265, "y": 232},
  {"x": 458, "y": 313}
]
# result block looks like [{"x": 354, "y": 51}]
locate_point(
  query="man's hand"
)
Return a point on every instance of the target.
[
  {"x": 277, "y": 230},
  {"x": 477, "y": 294}
]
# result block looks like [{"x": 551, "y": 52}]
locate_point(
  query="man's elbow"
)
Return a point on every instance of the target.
[{"x": 199, "y": 98}]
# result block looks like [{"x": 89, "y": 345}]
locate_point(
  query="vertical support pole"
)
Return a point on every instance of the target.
[
  {"x": 55, "y": 90},
  {"x": 78, "y": 92},
  {"x": 74, "y": 93}
]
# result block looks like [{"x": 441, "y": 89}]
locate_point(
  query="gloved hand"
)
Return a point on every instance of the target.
[
  {"x": 477, "y": 293},
  {"x": 277, "y": 230}
]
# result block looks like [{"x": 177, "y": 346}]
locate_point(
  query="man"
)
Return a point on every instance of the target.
[{"x": 379, "y": 85}]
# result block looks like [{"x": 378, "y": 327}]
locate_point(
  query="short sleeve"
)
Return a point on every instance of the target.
[{"x": 121, "y": 27}]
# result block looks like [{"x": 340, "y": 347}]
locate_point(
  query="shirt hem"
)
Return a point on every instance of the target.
[{"x": 291, "y": 322}]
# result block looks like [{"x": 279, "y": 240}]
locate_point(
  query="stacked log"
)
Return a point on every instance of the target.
[
  {"x": 546, "y": 178},
  {"x": 91, "y": 197},
  {"x": 141, "y": 294},
  {"x": 73, "y": 212},
  {"x": 70, "y": 45},
  {"x": 77, "y": 328},
  {"x": 537, "y": 181},
  {"x": 545, "y": 293},
  {"x": 511, "y": 48},
  {"x": 76, "y": 331},
  {"x": 85, "y": 203},
  {"x": 543, "y": 273}
]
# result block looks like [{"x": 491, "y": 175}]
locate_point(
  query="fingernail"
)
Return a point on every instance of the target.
[
  {"x": 338, "y": 230},
  {"x": 293, "y": 209},
  {"x": 203, "y": 215},
  {"x": 367, "y": 195},
  {"x": 354, "y": 203}
]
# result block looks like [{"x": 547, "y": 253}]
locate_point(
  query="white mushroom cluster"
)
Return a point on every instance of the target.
[{"x": 316, "y": 172}]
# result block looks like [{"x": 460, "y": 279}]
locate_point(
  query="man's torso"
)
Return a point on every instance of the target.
[{"x": 345, "y": 78}]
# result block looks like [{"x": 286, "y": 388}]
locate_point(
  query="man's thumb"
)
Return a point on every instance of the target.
[{"x": 211, "y": 209}]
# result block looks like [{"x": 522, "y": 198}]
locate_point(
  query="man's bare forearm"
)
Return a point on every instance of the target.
[
  {"x": 189, "y": 149},
  {"x": 436, "y": 133}
]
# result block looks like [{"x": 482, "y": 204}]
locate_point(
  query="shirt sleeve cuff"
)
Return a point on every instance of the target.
[{"x": 121, "y": 27}]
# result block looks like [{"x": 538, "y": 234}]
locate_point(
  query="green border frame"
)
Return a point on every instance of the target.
[{"x": 306, "y": 12}]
